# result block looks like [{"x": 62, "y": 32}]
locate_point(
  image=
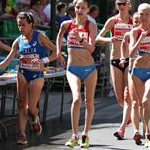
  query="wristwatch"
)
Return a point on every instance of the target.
[{"x": 81, "y": 40}]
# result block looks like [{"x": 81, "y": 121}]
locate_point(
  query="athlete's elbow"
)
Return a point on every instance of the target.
[
  {"x": 92, "y": 49},
  {"x": 97, "y": 40}
]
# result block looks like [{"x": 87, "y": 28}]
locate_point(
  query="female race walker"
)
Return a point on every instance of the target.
[
  {"x": 32, "y": 47},
  {"x": 119, "y": 25},
  {"x": 140, "y": 42},
  {"x": 136, "y": 109},
  {"x": 80, "y": 67}
]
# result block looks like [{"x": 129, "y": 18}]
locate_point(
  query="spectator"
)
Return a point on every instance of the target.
[
  {"x": 70, "y": 10},
  {"x": 61, "y": 13},
  {"x": 35, "y": 9},
  {"x": 47, "y": 11},
  {"x": 23, "y": 5},
  {"x": 93, "y": 13}
]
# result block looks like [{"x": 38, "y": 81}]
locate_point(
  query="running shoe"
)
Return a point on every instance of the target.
[
  {"x": 137, "y": 138},
  {"x": 119, "y": 134},
  {"x": 22, "y": 139},
  {"x": 147, "y": 143},
  {"x": 72, "y": 142},
  {"x": 147, "y": 140},
  {"x": 36, "y": 126},
  {"x": 85, "y": 142}
]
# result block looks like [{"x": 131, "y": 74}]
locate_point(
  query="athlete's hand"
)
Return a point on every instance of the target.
[
  {"x": 61, "y": 60},
  {"x": 39, "y": 65},
  {"x": 76, "y": 34},
  {"x": 126, "y": 40},
  {"x": 1, "y": 65},
  {"x": 144, "y": 34},
  {"x": 114, "y": 39},
  {"x": 121, "y": 64}
]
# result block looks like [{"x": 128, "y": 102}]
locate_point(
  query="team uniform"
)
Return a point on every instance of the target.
[
  {"x": 81, "y": 71},
  {"x": 144, "y": 48},
  {"x": 29, "y": 51},
  {"x": 118, "y": 30}
]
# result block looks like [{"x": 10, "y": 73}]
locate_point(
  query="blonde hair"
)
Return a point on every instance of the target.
[
  {"x": 136, "y": 14},
  {"x": 144, "y": 6}
]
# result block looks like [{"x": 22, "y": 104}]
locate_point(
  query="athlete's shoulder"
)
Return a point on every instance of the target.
[
  {"x": 91, "y": 23},
  {"x": 66, "y": 22},
  {"x": 136, "y": 29},
  {"x": 111, "y": 20}
]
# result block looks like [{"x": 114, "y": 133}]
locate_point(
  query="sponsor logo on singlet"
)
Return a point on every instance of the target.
[{"x": 34, "y": 43}]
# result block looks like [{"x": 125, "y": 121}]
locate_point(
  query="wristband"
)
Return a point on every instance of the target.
[
  {"x": 45, "y": 60},
  {"x": 81, "y": 40}
]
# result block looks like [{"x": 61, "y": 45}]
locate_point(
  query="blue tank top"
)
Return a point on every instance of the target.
[{"x": 30, "y": 50}]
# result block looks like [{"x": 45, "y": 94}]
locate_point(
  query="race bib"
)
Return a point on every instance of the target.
[
  {"x": 145, "y": 44},
  {"x": 120, "y": 29},
  {"x": 26, "y": 61},
  {"x": 72, "y": 39}
]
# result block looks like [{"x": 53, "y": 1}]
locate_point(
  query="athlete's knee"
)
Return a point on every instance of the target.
[
  {"x": 135, "y": 104},
  {"x": 32, "y": 109},
  {"x": 120, "y": 100},
  {"x": 22, "y": 106},
  {"x": 145, "y": 102},
  {"x": 76, "y": 101},
  {"x": 89, "y": 103}
]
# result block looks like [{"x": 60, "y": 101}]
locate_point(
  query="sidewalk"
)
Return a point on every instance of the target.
[{"x": 106, "y": 121}]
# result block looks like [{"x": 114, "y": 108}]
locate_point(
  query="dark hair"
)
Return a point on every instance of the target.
[
  {"x": 26, "y": 15},
  {"x": 87, "y": 1},
  {"x": 93, "y": 7},
  {"x": 34, "y": 2},
  {"x": 60, "y": 6}
]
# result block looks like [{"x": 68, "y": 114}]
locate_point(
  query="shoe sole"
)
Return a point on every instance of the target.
[
  {"x": 118, "y": 136},
  {"x": 70, "y": 145},
  {"x": 22, "y": 143},
  {"x": 85, "y": 146},
  {"x": 137, "y": 139}
]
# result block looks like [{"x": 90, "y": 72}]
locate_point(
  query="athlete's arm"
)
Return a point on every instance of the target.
[
  {"x": 48, "y": 45},
  {"x": 133, "y": 40},
  {"x": 11, "y": 55},
  {"x": 90, "y": 45},
  {"x": 108, "y": 26},
  {"x": 59, "y": 39},
  {"x": 5, "y": 47},
  {"x": 125, "y": 44}
]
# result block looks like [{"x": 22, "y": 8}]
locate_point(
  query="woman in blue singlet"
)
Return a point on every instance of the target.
[
  {"x": 32, "y": 47},
  {"x": 140, "y": 41},
  {"x": 80, "y": 67}
]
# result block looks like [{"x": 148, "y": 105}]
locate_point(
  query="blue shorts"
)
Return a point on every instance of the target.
[
  {"x": 142, "y": 73},
  {"x": 31, "y": 75},
  {"x": 81, "y": 71}
]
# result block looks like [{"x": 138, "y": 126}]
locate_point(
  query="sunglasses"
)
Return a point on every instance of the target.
[{"x": 119, "y": 4}]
